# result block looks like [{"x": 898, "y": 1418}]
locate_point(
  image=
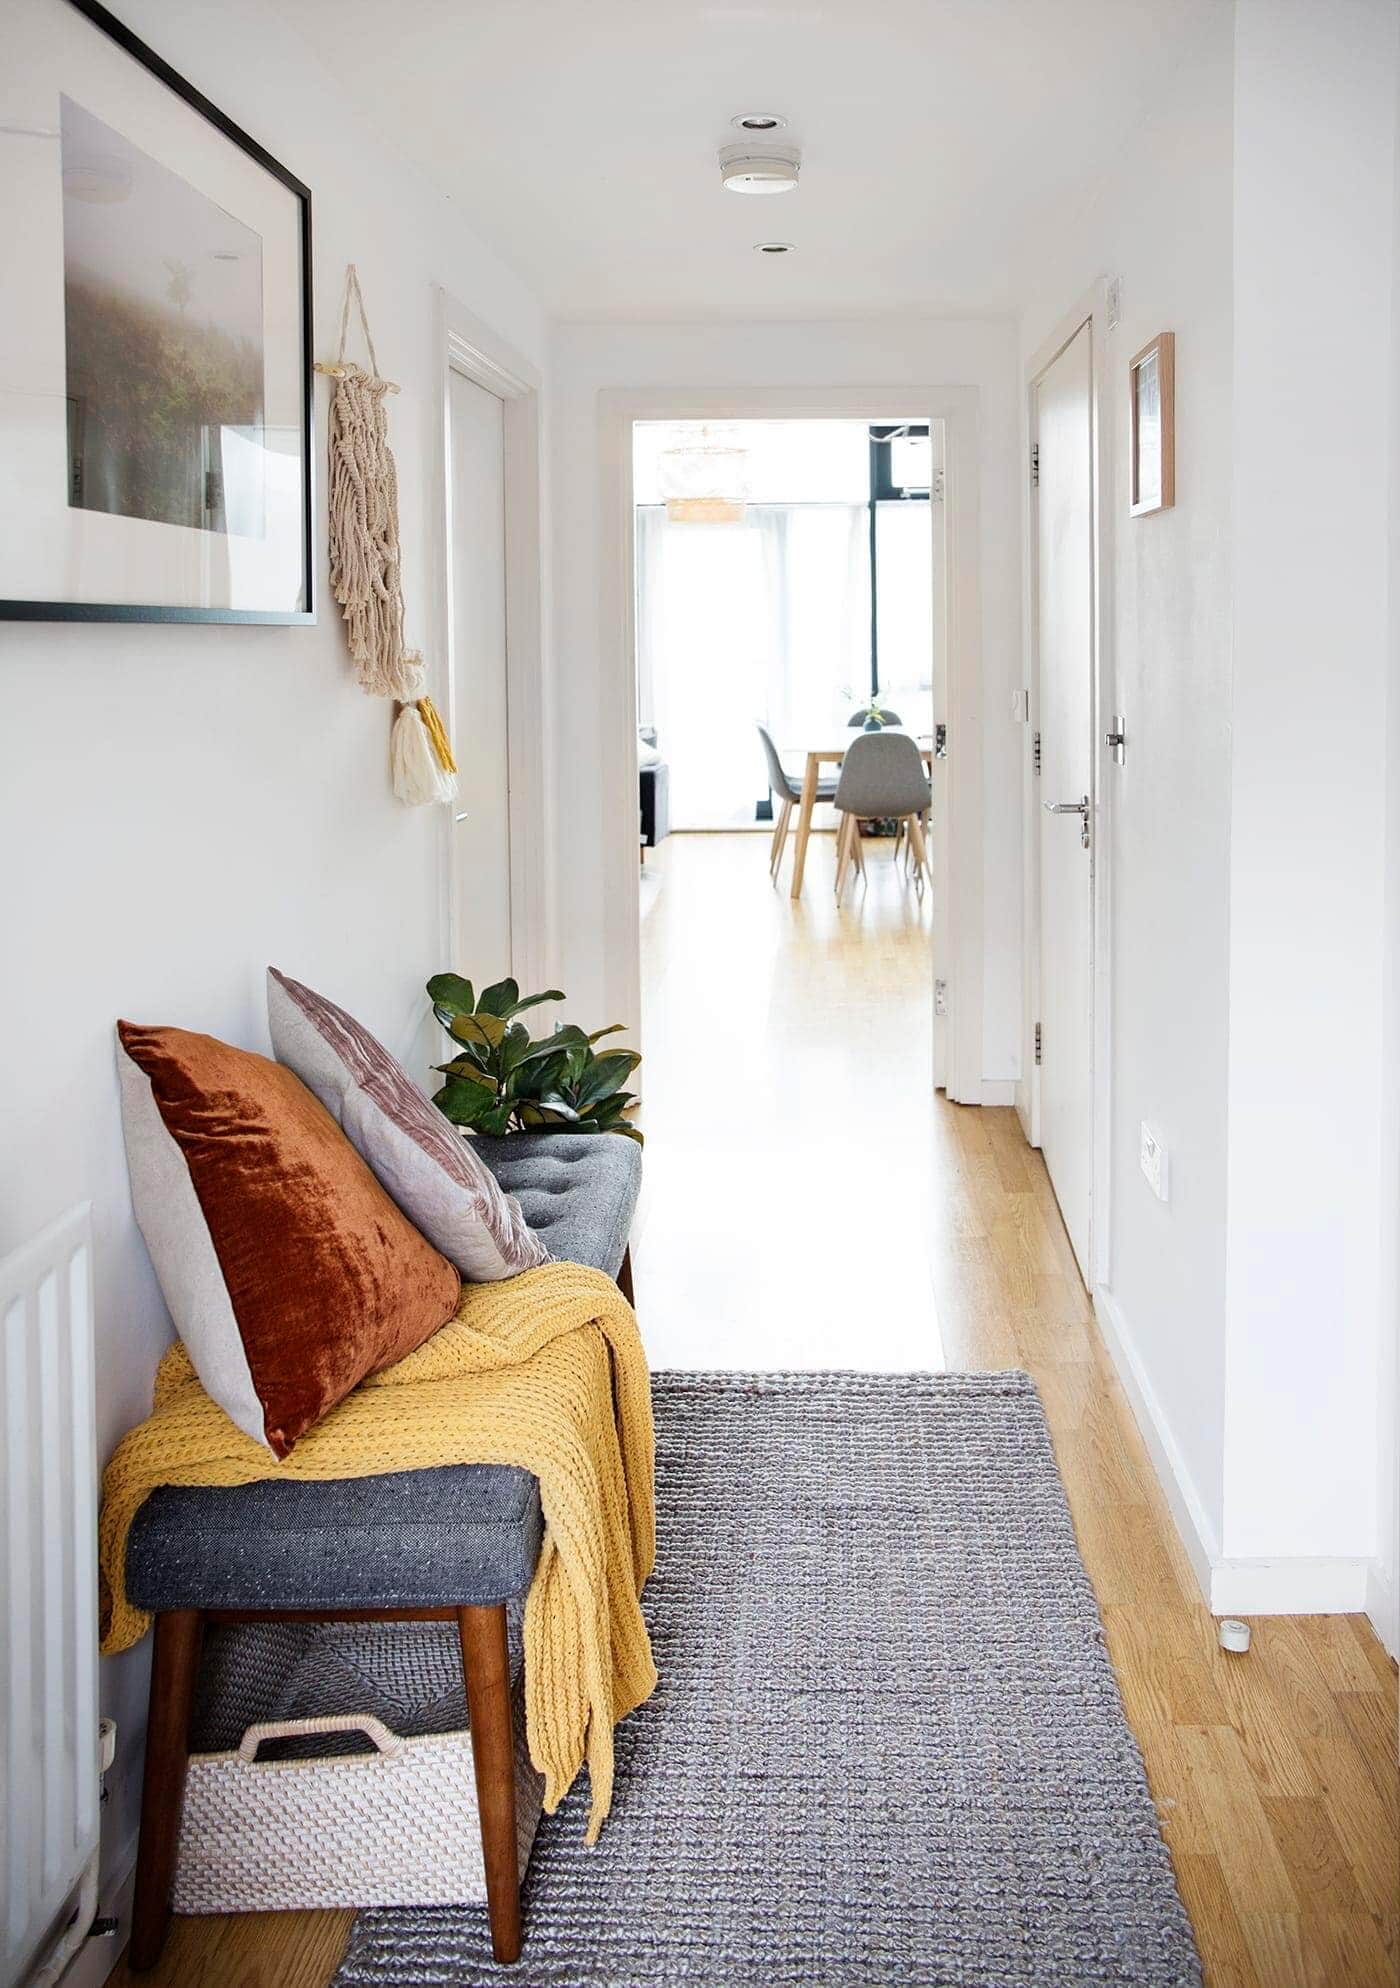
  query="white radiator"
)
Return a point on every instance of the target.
[{"x": 48, "y": 1588}]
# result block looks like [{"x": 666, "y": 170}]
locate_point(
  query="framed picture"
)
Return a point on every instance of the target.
[
  {"x": 155, "y": 341},
  {"x": 1152, "y": 426}
]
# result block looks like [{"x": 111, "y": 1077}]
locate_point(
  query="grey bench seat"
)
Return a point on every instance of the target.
[{"x": 465, "y": 1533}]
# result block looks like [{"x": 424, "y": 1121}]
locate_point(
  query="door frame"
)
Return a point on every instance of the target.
[
  {"x": 465, "y": 344},
  {"x": 957, "y": 1034},
  {"x": 1092, "y": 312}
]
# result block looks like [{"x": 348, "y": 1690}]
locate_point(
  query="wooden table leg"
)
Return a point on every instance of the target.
[{"x": 804, "y": 822}]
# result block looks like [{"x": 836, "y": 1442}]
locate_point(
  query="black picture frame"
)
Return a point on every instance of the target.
[{"x": 119, "y": 611}]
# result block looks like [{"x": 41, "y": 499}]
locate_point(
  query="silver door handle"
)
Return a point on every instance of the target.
[{"x": 1080, "y": 808}]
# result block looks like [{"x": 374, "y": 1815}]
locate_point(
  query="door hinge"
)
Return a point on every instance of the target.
[
  {"x": 1035, "y": 465},
  {"x": 935, "y": 489},
  {"x": 1035, "y": 754},
  {"x": 1037, "y": 1045}
]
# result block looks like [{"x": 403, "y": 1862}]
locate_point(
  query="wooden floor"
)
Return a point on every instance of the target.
[{"x": 807, "y": 1204}]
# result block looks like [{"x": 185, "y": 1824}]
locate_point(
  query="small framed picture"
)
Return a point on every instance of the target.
[
  {"x": 155, "y": 341},
  {"x": 1152, "y": 426}
]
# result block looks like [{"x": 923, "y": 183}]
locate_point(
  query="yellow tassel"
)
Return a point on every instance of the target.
[{"x": 427, "y": 711}]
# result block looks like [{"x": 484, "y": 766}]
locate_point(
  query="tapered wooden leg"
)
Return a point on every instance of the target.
[
  {"x": 843, "y": 852},
  {"x": 804, "y": 821},
  {"x": 780, "y": 831},
  {"x": 917, "y": 843},
  {"x": 174, "y": 1667},
  {"x": 857, "y": 845},
  {"x": 624, "y": 1276},
  {"x": 486, "y": 1671}
]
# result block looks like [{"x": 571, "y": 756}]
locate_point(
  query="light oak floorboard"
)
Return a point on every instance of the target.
[{"x": 809, "y": 1202}]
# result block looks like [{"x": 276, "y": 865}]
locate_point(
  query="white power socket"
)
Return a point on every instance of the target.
[{"x": 1154, "y": 1160}]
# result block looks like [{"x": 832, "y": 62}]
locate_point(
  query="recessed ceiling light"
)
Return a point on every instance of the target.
[
  {"x": 758, "y": 120},
  {"x": 775, "y": 248},
  {"x": 760, "y": 168}
]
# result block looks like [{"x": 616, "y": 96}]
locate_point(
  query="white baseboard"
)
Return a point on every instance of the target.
[
  {"x": 998, "y": 1090},
  {"x": 1383, "y": 1607},
  {"x": 1322, "y": 1586},
  {"x": 1301, "y": 1586},
  {"x": 1193, "y": 1522}
]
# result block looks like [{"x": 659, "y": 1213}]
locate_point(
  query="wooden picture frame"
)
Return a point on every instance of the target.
[
  {"x": 156, "y": 444},
  {"x": 1152, "y": 426}
]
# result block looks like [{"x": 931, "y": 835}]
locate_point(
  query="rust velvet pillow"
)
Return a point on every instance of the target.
[{"x": 289, "y": 1272}]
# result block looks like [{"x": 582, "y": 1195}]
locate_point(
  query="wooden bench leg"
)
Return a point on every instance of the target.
[
  {"x": 486, "y": 1671},
  {"x": 624, "y": 1276},
  {"x": 174, "y": 1667}
]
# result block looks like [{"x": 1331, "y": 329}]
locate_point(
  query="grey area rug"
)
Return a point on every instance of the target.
[{"x": 887, "y": 1746}]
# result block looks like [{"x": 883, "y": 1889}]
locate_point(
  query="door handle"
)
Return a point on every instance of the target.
[{"x": 1080, "y": 808}]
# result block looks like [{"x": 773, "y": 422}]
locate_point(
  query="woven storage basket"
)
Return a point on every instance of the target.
[{"x": 394, "y": 1826}]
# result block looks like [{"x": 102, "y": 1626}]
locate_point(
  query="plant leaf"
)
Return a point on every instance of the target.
[
  {"x": 533, "y": 1000},
  {"x": 468, "y": 1072},
  {"x": 611, "y": 1029},
  {"x": 499, "y": 999},
  {"x": 483, "y": 1029},
  {"x": 465, "y": 1104},
  {"x": 449, "y": 990}
]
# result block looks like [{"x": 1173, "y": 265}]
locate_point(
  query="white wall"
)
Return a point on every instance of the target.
[
  {"x": 1314, "y": 362},
  {"x": 588, "y": 359},
  {"x": 183, "y": 804},
  {"x": 1252, "y": 639},
  {"x": 1162, "y": 225}
]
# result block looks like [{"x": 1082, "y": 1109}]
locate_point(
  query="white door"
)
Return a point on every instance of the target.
[
  {"x": 1064, "y": 514},
  {"x": 481, "y": 907}
]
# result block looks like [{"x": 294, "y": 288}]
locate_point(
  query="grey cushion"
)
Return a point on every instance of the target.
[
  {"x": 578, "y": 1190},
  {"x": 466, "y": 1535}
]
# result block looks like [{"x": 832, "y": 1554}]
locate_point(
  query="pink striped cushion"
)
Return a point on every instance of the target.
[{"x": 428, "y": 1168}]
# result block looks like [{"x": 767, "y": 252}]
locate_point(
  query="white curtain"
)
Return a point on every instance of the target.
[{"x": 762, "y": 622}]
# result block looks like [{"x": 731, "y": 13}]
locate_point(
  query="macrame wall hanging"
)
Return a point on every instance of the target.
[{"x": 364, "y": 555}]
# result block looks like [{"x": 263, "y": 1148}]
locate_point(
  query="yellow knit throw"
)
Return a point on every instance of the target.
[{"x": 545, "y": 1370}]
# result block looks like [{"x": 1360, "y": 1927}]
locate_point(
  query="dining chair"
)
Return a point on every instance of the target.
[
  {"x": 787, "y": 790},
  {"x": 882, "y": 778}
]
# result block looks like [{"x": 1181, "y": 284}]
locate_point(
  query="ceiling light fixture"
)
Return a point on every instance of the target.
[
  {"x": 758, "y": 120},
  {"x": 775, "y": 248},
  {"x": 760, "y": 168}
]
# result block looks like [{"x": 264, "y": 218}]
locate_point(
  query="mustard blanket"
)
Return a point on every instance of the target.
[{"x": 545, "y": 1370}]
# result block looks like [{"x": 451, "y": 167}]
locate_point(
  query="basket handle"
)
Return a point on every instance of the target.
[{"x": 388, "y": 1743}]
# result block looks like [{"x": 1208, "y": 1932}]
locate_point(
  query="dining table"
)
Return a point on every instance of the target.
[{"x": 831, "y": 753}]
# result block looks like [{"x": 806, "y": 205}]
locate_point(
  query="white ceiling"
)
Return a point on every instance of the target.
[{"x": 938, "y": 138}]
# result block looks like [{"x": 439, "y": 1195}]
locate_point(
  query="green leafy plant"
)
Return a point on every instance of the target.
[{"x": 504, "y": 1080}]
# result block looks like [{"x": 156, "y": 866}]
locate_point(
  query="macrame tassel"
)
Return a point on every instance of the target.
[
  {"x": 419, "y": 773},
  {"x": 437, "y": 732}
]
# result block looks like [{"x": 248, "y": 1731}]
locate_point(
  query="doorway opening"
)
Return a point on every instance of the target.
[{"x": 788, "y": 593}]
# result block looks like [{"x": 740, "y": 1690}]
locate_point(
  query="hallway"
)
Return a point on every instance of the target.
[{"x": 793, "y": 1160}]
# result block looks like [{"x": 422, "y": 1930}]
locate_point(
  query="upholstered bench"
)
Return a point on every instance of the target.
[{"x": 456, "y": 1543}]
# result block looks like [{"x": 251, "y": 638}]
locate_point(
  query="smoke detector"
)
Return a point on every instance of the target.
[{"x": 760, "y": 168}]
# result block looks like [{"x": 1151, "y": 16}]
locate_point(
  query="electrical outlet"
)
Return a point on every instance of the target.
[
  {"x": 1154, "y": 1160},
  {"x": 940, "y": 997}
]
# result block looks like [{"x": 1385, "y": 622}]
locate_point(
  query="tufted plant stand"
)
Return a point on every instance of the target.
[{"x": 453, "y": 1544}]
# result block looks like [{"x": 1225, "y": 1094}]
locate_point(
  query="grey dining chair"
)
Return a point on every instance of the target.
[
  {"x": 787, "y": 790},
  {"x": 886, "y": 718},
  {"x": 882, "y": 778}
]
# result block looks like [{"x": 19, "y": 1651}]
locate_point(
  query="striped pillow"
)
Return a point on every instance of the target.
[{"x": 427, "y": 1167}]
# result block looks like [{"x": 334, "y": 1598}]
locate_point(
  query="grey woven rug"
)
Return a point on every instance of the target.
[{"x": 887, "y": 1750}]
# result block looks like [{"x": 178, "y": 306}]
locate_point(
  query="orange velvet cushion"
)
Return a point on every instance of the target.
[{"x": 289, "y": 1272}]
